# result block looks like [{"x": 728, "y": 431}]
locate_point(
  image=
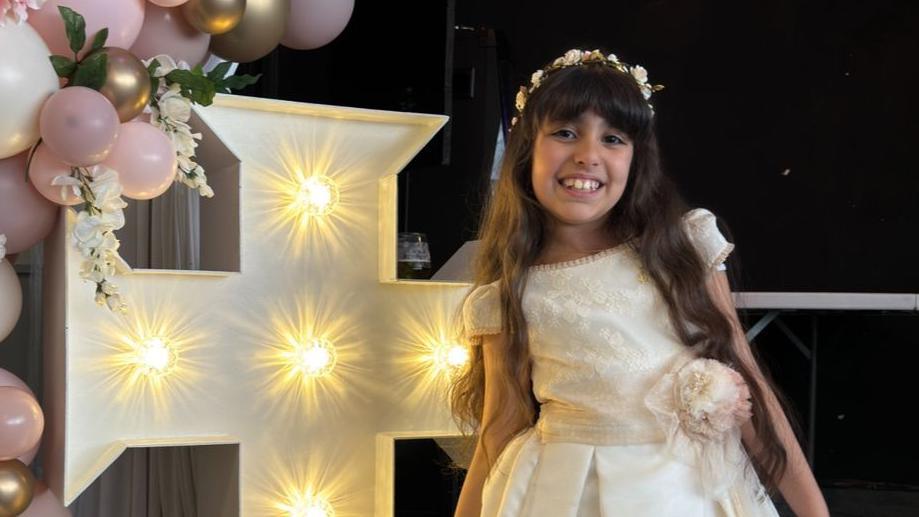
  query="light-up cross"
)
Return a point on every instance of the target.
[{"x": 238, "y": 376}]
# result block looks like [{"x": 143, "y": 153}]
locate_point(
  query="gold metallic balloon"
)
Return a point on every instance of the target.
[
  {"x": 127, "y": 83},
  {"x": 214, "y": 16},
  {"x": 261, "y": 29},
  {"x": 16, "y": 483}
]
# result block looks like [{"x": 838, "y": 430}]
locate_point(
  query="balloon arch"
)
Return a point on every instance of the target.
[{"x": 96, "y": 98}]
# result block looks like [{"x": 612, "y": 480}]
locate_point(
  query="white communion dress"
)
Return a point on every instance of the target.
[{"x": 601, "y": 342}]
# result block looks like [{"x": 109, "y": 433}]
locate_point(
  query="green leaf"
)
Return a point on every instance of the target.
[
  {"x": 151, "y": 68},
  {"x": 237, "y": 82},
  {"x": 154, "y": 87},
  {"x": 198, "y": 88},
  {"x": 63, "y": 66},
  {"x": 219, "y": 71},
  {"x": 75, "y": 26},
  {"x": 99, "y": 40},
  {"x": 91, "y": 71},
  {"x": 154, "y": 81}
]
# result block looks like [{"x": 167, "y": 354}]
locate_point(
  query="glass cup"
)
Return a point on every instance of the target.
[{"x": 414, "y": 256}]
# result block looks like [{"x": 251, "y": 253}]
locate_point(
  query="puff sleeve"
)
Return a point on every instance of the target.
[
  {"x": 482, "y": 311},
  {"x": 702, "y": 229}
]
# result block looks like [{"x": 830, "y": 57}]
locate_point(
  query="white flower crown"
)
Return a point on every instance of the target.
[{"x": 575, "y": 57}]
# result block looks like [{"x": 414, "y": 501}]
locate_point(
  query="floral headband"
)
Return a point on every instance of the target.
[{"x": 575, "y": 57}]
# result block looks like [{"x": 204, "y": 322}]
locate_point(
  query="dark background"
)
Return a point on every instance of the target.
[
  {"x": 791, "y": 120},
  {"x": 823, "y": 89}
]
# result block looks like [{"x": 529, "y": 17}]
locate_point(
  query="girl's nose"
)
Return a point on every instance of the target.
[{"x": 587, "y": 153}]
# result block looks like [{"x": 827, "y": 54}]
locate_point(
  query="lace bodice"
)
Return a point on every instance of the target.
[{"x": 600, "y": 338}]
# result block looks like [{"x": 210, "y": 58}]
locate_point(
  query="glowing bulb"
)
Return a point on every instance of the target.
[
  {"x": 155, "y": 357},
  {"x": 315, "y": 358},
  {"x": 318, "y": 195},
  {"x": 310, "y": 506},
  {"x": 457, "y": 356},
  {"x": 450, "y": 356}
]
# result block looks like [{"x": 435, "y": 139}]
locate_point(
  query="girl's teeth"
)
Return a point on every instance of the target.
[{"x": 581, "y": 184}]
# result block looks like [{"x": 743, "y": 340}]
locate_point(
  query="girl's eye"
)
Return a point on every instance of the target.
[
  {"x": 564, "y": 133},
  {"x": 612, "y": 139}
]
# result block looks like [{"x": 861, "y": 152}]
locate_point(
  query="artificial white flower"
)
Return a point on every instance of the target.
[
  {"x": 2, "y": 246},
  {"x": 114, "y": 303},
  {"x": 68, "y": 185},
  {"x": 646, "y": 91},
  {"x": 174, "y": 106},
  {"x": 109, "y": 288},
  {"x": 167, "y": 64},
  {"x": 87, "y": 233},
  {"x": 612, "y": 58},
  {"x": 16, "y": 11},
  {"x": 521, "y": 99},
  {"x": 206, "y": 191},
  {"x": 572, "y": 57},
  {"x": 536, "y": 78},
  {"x": 640, "y": 74}
]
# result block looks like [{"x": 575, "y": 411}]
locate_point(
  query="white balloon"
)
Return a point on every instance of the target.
[
  {"x": 26, "y": 80},
  {"x": 10, "y": 298}
]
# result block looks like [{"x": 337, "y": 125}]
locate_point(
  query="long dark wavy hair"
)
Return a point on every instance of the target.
[{"x": 649, "y": 214}]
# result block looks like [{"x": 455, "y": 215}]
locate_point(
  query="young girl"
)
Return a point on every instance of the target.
[{"x": 599, "y": 384}]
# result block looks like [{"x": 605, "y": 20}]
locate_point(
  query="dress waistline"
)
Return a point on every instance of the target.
[{"x": 632, "y": 427}]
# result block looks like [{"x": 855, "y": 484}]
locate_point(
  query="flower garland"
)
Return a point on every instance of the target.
[
  {"x": 175, "y": 87},
  {"x": 170, "y": 111},
  {"x": 16, "y": 11},
  {"x": 101, "y": 213},
  {"x": 575, "y": 57}
]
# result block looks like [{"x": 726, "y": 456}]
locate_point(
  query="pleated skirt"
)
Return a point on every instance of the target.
[{"x": 559, "y": 479}]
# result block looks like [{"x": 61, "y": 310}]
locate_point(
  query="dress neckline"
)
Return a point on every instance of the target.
[{"x": 593, "y": 257}]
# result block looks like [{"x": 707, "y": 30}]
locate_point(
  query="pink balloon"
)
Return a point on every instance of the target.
[
  {"x": 10, "y": 299},
  {"x": 145, "y": 159},
  {"x": 42, "y": 171},
  {"x": 21, "y": 422},
  {"x": 165, "y": 31},
  {"x": 8, "y": 379},
  {"x": 79, "y": 125},
  {"x": 122, "y": 17},
  {"x": 314, "y": 23},
  {"x": 168, "y": 3},
  {"x": 44, "y": 503},
  {"x": 25, "y": 216}
]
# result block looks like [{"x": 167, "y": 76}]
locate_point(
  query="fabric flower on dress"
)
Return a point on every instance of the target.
[
  {"x": 707, "y": 396},
  {"x": 16, "y": 11},
  {"x": 697, "y": 404}
]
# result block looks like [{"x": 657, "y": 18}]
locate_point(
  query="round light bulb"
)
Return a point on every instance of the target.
[
  {"x": 457, "y": 356},
  {"x": 318, "y": 195},
  {"x": 450, "y": 356},
  {"x": 315, "y": 358},
  {"x": 311, "y": 506},
  {"x": 155, "y": 357}
]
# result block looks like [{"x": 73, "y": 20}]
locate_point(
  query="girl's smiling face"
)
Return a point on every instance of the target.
[{"x": 580, "y": 169}]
